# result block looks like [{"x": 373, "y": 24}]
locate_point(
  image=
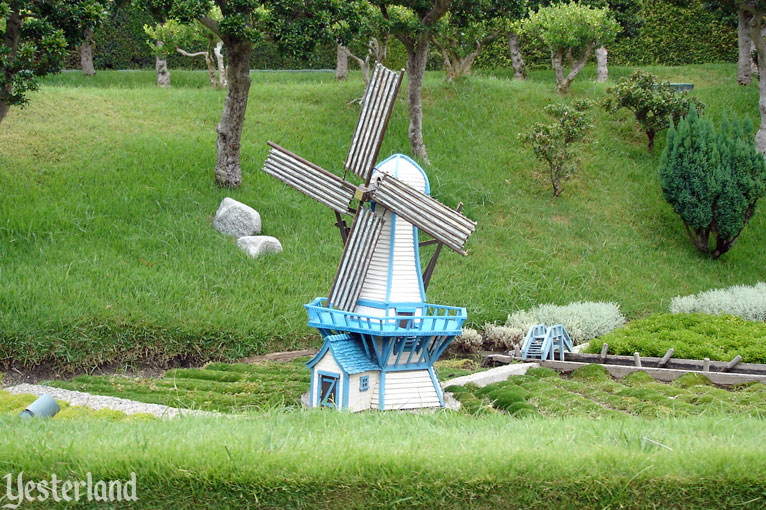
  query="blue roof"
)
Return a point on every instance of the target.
[{"x": 348, "y": 353}]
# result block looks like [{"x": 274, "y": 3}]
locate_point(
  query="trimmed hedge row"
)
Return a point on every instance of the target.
[{"x": 671, "y": 35}]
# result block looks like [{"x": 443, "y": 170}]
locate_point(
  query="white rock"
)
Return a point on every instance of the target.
[
  {"x": 236, "y": 219},
  {"x": 259, "y": 245}
]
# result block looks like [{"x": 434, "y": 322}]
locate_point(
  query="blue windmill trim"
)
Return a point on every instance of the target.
[
  {"x": 348, "y": 354},
  {"x": 433, "y": 320}
]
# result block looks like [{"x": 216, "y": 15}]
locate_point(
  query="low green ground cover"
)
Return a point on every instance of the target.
[
  {"x": 319, "y": 459},
  {"x": 14, "y": 404},
  {"x": 693, "y": 336},
  {"x": 225, "y": 387},
  {"x": 592, "y": 392},
  {"x": 107, "y": 254}
]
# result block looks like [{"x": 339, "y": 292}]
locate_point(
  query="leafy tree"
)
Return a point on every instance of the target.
[
  {"x": 571, "y": 29},
  {"x": 712, "y": 181},
  {"x": 296, "y": 26},
  {"x": 552, "y": 143},
  {"x": 87, "y": 26},
  {"x": 34, "y": 38},
  {"x": 370, "y": 41},
  {"x": 655, "y": 104},
  {"x": 172, "y": 36},
  {"x": 413, "y": 23},
  {"x": 469, "y": 26}
]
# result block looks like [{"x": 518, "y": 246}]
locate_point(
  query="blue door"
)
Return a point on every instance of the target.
[{"x": 328, "y": 390}]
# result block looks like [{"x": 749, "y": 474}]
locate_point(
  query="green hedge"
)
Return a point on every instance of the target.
[{"x": 671, "y": 35}]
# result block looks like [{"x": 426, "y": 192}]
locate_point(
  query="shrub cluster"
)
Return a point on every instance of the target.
[
  {"x": 693, "y": 336},
  {"x": 470, "y": 341},
  {"x": 747, "y": 302},
  {"x": 582, "y": 320}
]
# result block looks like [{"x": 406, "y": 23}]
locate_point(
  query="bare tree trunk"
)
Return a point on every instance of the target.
[
  {"x": 228, "y": 171},
  {"x": 744, "y": 60},
  {"x": 602, "y": 71},
  {"x": 378, "y": 48},
  {"x": 756, "y": 26},
  {"x": 161, "y": 66},
  {"x": 557, "y": 61},
  {"x": 208, "y": 63},
  {"x": 221, "y": 68},
  {"x": 364, "y": 66},
  {"x": 86, "y": 54},
  {"x": 11, "y": 43},
  {"x": 341, "y": 63},
  {"x": 517, "y": 61},
  {"x": 417, "y": 56}
]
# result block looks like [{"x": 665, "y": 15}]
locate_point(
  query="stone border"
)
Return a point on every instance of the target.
[{"x": 492, "y": 375}]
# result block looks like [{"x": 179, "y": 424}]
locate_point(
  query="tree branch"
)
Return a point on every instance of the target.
[
  {"x": 437, "y": 11},
  {"x": 210, "y": 24},
  {"x": 187, "y": 54}
]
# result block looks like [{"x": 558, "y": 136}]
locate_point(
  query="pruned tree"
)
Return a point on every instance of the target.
[
  {"x": 164, "y": 38},
  {"x": 469, "y": 26},
  {"x": 413, "y": 22},
  {"x": 555, "y": 143},
  {"x": 87, "y": 26},
  {"x": 655, "y": 104},
  {"x": 571, "y": 31},
  {"x": 756, "y": 13},
  {"x": 712, "y": 181},
  {"x": 368, "y": 39},
  {"x": 296, "y": 26},
  {"x": 34, "y": 38},
  {"x": 628, "y": 14}
]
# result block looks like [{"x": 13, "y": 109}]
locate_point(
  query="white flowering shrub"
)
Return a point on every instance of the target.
[
  {"x": 500, "y": 338},
  {"x": 470, "y": 341},
  {"x": 747, "y": 302},
  {"x": 582, "y": 320}
]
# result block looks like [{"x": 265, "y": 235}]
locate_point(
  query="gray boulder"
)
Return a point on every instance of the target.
[
  {"x": 259, "y": 245},
  {"x": 236, "y": 219}
]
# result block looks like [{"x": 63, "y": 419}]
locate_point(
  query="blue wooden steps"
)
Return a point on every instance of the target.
[{"x": 542, "y": 342}]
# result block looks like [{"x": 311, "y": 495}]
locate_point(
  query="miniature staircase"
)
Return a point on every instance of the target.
[
  {"x": 409, "y": 389},
  {"x": 542, "y": 343}
]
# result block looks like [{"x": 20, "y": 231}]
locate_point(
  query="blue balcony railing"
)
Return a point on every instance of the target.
[{"x": 433, "y": 320}]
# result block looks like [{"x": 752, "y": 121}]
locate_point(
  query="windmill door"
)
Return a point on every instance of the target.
[{"x": 328, "y": 390}]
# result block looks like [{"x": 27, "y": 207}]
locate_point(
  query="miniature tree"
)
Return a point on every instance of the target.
[
  {"x": 413, "y": 22},
  {"x": 655, "y": 104},
  {"x": 552, "y": 143},
  {"x": 296, "y": 26},
  {"x": 468, "y": 27},
  {"x": 34, "y": 39},
  {"x": 370, "y": 44},
  {"x": 571, "y": 32},
  {"x": 712, "y": 182}
]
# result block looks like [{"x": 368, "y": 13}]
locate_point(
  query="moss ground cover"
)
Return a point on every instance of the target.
[
  {"x": 592, "y": 392},
  {"x": 693, "y": 336},
  {"x": 107, "y": 254},
  {"x": 226, "y": 387}
]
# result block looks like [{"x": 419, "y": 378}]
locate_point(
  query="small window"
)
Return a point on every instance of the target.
[{"x": 364, "y": 383}]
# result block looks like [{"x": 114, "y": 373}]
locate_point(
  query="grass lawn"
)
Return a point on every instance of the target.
[
  {"x": 107, "y": 254},
  {"x": 320, "y": 459}
]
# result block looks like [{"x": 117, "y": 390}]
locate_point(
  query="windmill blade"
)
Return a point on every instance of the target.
[
  {"x": 427, "y": 214},
  {"x": 356, "y": 260},
  {"x": 376, "y": 110},
  {"x": 310, "y": 179}
]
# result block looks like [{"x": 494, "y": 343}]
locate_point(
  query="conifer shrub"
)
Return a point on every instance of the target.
[{"x": 712, "y": 181}]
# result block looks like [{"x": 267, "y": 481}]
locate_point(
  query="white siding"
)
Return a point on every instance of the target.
[
  {"x": 409, "y": 389},
  {"x": 361, "y": 400},
  {"x": 405, "y": 274}
]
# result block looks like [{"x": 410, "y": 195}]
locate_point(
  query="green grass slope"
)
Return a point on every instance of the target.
[
  {"x": 107, "y": 252},
  {"x": 400, "y": 460}
]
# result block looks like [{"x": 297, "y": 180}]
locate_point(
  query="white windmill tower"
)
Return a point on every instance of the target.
[{"x": 381, "y": 337}]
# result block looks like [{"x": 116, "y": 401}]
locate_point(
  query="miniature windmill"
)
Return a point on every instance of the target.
[{"x": 381, "y": 337}]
